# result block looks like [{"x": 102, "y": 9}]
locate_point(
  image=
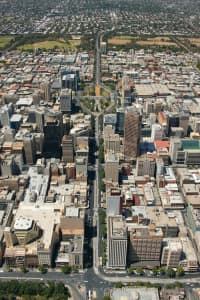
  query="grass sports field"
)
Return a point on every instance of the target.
[
  {"x": 49, "y": 45},
  {"x": 120, "y": 40},
  {"x": 156, "y": 41},
  {"x": 4, "y": 40},
  {"x": 195, "y": 41}
]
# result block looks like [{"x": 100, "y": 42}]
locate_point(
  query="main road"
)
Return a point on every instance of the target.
[
  {"x": 96, "y": 202},
  {"x": 98, "y": 59}
]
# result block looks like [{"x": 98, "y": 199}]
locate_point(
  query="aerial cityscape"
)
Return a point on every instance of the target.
[{"x": 100, "y": 150}]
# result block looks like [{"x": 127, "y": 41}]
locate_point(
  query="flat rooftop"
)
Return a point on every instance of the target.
[
  {"x": 72, "y": 226},
  {"x": 23, "y": 223},
  {"x": 135, "y": 294},
  {"x": 117, "y": 228},
  {"x": 150, "y": 90},
  {"x": 191, "y": 144},
  {"x": 45, "y": 215}
]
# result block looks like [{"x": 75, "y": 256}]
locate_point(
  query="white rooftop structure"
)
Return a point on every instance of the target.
[
  {"x": 23, "y": 223},
  {"x": 135, "y": 294},
  {"x": 25, "y": 101},
  {"x": 72, "y": 212},
  {"x": 38, "y": 186},
  {"x": 149, "y": 90},
  {"x": 16, "y": 118}
]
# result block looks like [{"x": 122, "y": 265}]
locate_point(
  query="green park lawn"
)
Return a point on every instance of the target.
[
  {"x": 5, "y": 40},
  {"x": 49, "y": 45}
]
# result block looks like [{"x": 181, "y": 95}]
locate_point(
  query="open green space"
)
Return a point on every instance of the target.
[
  {"x": 50, "y": 45},
  {"x": 126, "y": 42},
  {"x": 104, "y": 93},
  {"x": 16, "y": 290},
  {"x": 89, "y": 91},
  {"x": 5, "y": 40},
  {"x": 121, "y": 40}
]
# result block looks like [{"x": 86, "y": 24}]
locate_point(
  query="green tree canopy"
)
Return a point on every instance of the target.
[
  {"x": 180, "y": 271},
  {"x": 170, "y": 272},
  {"x": 66, "y": 269},
  {"x": 118, "y": 285},
  {"x": 42, "y": 269}
]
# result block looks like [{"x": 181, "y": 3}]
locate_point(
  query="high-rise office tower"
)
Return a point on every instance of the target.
[
  {"x": 5, "y": 113},
  {"x": 126, "y": 91},
  {"x": 145, "y": 245},
  {"x": 9, "y": 134},
  {"x": 158, "y": 104},
  {"x": 120, "y": 121},
  {"x": 67, "y": 149},
  {"x": 149, "y": 108},
  {"x": 36, "y": 115},
  {"x": 71, "y": 170},
  {"x": 26, "y": 230},
  {"x": 39, "y": 142},
  {"x": 66, "y": 101},
  {"x": 81, "y": 168},
  {"x": 131, "y": 134},
  {"x": 163, "y": 121},
  {"x": 29, "y": 148},
  {"x": 110, "y": 119},
  {"x": 45, "y": 86},
  {"x": 10, "y": 237},
  {"x": 145, "y": 166},
  {"x": 156, "y": 132},
  {"x": 117, "y": 242},
  {"x": 159, "y": 168},
  {"x": 112, "y": 143},
  {"x": 112, "y": 167},
  {"x": 171, "y": 253},
  {"x": 69, "y": 80},
  {"x": 197, "y": 125},
  {"x": 175, "y": 145},
  {"x": 39, "y": 118},
  {"x": 31, "y": 114},
  {"x": 53, "y": 132},
  {"x": 4, "y": 117},
  {"x": 184, "y": 122},
  {"x": 172, "y": 121},
  {"x": 7, "y": 166}
]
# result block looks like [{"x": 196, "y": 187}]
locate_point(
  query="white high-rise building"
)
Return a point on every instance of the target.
[
  {"x": 156, "y": 132},
  {"x": 4, "y": 116},
  {"x": 117, "y": 242}
]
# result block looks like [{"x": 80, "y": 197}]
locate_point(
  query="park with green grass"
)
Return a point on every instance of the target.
[
  {"x": 5, "y": 40},
  {"x": 59, "y": 44}
]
